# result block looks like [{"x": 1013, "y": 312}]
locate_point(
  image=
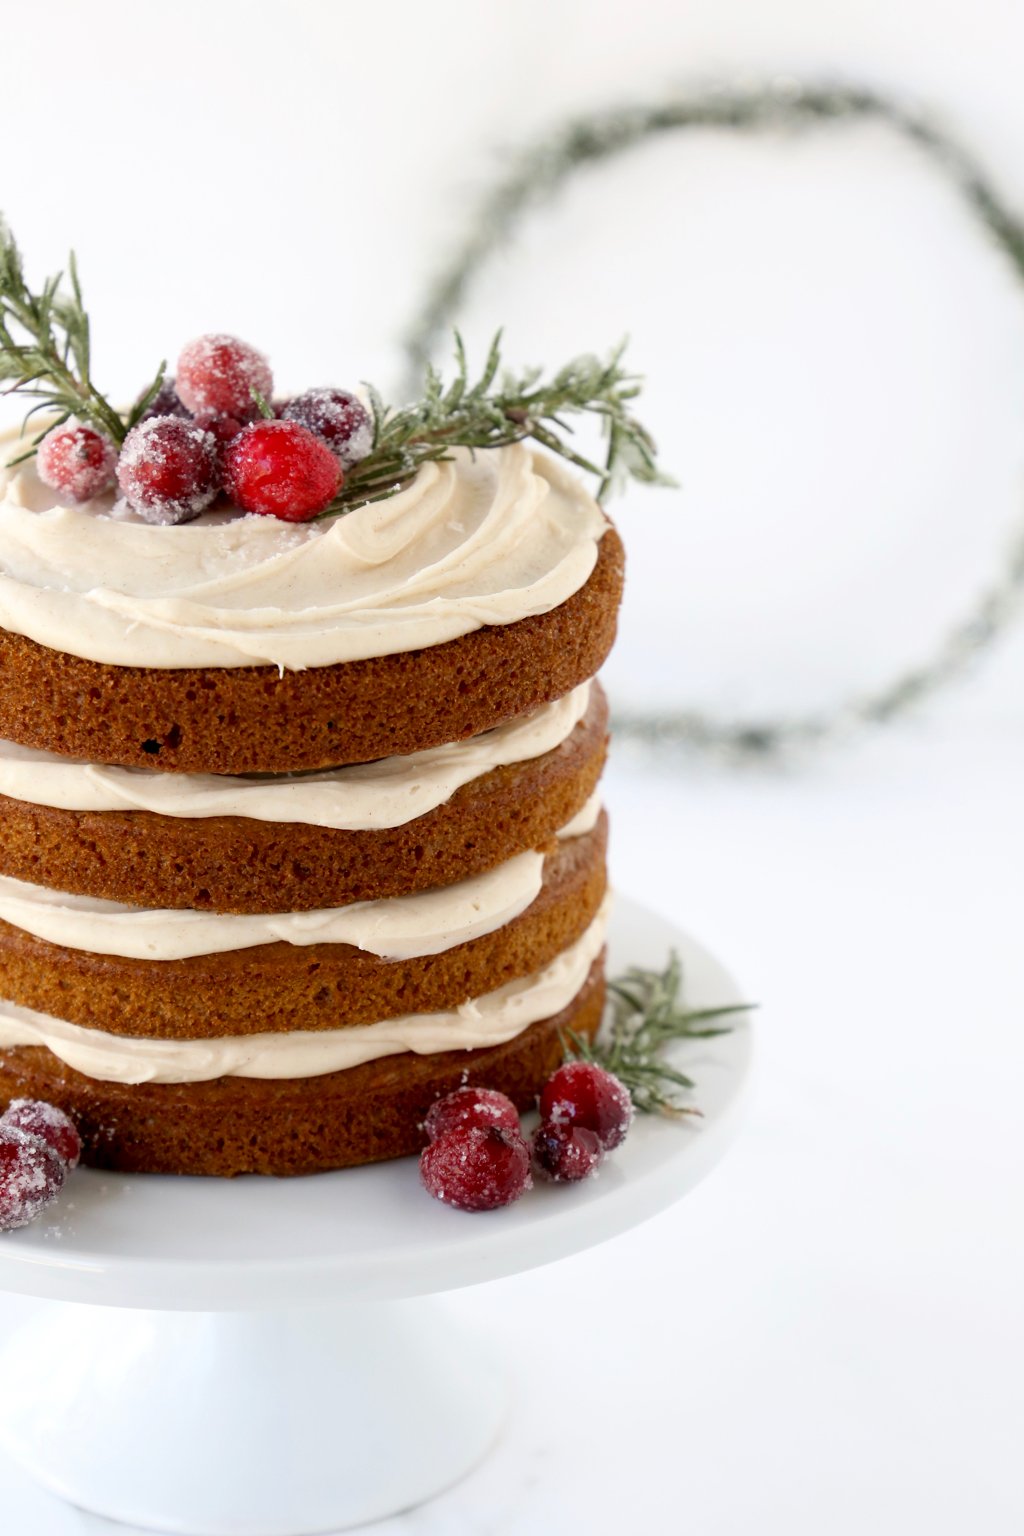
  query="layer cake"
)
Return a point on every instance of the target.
[{"x": 299, "y": 824}]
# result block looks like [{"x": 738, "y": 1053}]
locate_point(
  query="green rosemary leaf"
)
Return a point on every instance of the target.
[
  {"x": 647, "y": 1015},
  {"x": 45, "y": 345},
  {"x": 478, "y": 415},
  {"x": 147, "y": 397}
]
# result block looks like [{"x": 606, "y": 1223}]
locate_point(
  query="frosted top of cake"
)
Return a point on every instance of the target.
[{"x": 473, "y": 541}]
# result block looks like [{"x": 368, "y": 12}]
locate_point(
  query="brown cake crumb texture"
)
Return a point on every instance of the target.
[
  {"x": 307, "y": 1125},
  {"x": 275, "y": 987},
  {"x": 253, "y": 720},
  {"x": 233, "y": 864}
]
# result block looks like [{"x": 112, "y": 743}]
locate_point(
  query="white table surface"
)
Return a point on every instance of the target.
[{"x": 826, "y": 1336}]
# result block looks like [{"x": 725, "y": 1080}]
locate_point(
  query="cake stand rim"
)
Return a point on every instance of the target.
[{"x": 558, "y": 1221}]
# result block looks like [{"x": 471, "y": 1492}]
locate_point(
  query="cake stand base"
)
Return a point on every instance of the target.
[{"x": 248, "y": 1423}]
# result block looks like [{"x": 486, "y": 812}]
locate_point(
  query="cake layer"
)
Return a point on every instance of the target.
[
  {"x": 282, "y": 986},
  {"x": 305, "y": 1125},
  {"x": 241, "y": 719},
  {"x": 230, "y": 861},
  {"x": 358, "y": 798},
  {"x": 490, "y": 1019}
]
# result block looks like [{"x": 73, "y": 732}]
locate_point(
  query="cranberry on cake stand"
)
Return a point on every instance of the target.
[{"x": 263, "y": 1357}]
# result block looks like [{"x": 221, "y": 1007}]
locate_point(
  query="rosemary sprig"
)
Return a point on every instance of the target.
[
  {"x": 45, "y": 350},
  {"x": 479, "y": 415},
  {"x": 648, "y": 1015}
]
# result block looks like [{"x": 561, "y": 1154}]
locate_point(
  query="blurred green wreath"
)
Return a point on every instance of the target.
[{"x": 544, "y": 167}]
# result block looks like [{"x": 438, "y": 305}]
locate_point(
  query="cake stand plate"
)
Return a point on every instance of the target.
[{"x": 258, "y": 1357}]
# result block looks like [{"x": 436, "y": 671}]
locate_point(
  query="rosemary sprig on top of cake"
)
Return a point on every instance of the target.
[
  {"x": 45, "y": 349},
  {"x": 498, "y": 410},
  {"x": 208, "y": 434}
]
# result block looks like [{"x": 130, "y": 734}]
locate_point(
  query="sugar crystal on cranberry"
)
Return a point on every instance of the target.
[
  {"x": 280, "y": 469},
  {"x": 31, "y": 1176},
  {"x": 219, "y": 373},
  {"x": 76, "y": 462},
  {"x": 584, "y": 1095},
  {"x": 340, "y": 419},
  {"x": 169, "y": 469},
  {"x": 470, "y": 1107},
  {"x": 476, "y": 1169},
  {"x": 46, "y": 1123}
]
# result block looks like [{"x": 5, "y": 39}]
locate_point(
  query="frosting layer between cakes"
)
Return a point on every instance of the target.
[
  {"x": 390, "y": 792},
  {"x": 234, "y": 1125},
  {"x": 396, "y": 928},
  {"x": 492, "y": 1019},
  {"x": 240, "y": 864}
]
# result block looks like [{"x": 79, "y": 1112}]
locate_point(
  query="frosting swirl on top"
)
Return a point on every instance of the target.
[{"x": 470, "y": 542}]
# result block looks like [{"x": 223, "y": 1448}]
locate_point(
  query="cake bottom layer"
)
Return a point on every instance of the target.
[{"x": 234, "y": 1125}]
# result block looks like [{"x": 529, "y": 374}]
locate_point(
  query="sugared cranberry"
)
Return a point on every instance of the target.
[
  {"x": 224, "y": 428},
  {"x": 76, "y": 462},
  {"x": 342, "y": 421},
  {"x": 168, "y": 469},
  {"x": 280, "y": 468},
  {"x": 565, "y": 1154},
  {"x": 31, "y": 1175},
  {"x": 470, "y": 1107},
  {"x": 47, "y": 1123},
  {"x": 164, "y": 403},
  {"x": 583, "y": 1095},
  {"x": 219, "y": 373},
  {"x": 476, "y": 1169}
]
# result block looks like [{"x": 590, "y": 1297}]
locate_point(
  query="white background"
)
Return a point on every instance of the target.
[{"x": 827, "y": 1337}]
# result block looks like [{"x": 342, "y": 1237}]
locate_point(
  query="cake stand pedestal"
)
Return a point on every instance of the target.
[{"x": 261, "y": 1357}]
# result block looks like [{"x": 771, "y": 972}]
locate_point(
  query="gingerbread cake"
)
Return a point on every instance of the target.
[{"x": 299, "y": 820}]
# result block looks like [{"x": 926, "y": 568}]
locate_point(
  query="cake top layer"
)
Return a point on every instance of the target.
[{"x": 473, "y": 541}]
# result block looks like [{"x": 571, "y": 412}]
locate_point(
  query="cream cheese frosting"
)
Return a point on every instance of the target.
[
  {"x": 585, "y": 819},
  {"x": 394, "y": 928},
  {"x": 472, "y": 541},
  {"x": 489, "y": 1020},
  {"x": 387, "y": 793}
]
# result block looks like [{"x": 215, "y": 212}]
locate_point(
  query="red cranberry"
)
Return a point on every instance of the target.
[
  {"x": 470, "y": 1107},
  {"x": 584, "y": 1095},
  {"x": 342, "y": 421},
  {"x": 566, "y": 1154},
  {"x": 224, "y": 428},
  {"x": 476, "y": 1168},
  {"x": 168, "y": 469},
  {"x": 31, "y": 1175},
  {"x": 219, "y": 373},
  {"x": 46, "y": 1123},
  {"x": 279, "y": 468},
  {"x": 76, "y": 462},
  {"x": 164, "y": 403}
]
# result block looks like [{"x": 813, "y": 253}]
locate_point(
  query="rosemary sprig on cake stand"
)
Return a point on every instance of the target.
[
  {"x": 648, "y": 1015},
  {"x": 45, "y": 350}
]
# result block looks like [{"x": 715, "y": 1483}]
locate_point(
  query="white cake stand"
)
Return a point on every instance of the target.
[{"x": 247, "y": 1358}]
